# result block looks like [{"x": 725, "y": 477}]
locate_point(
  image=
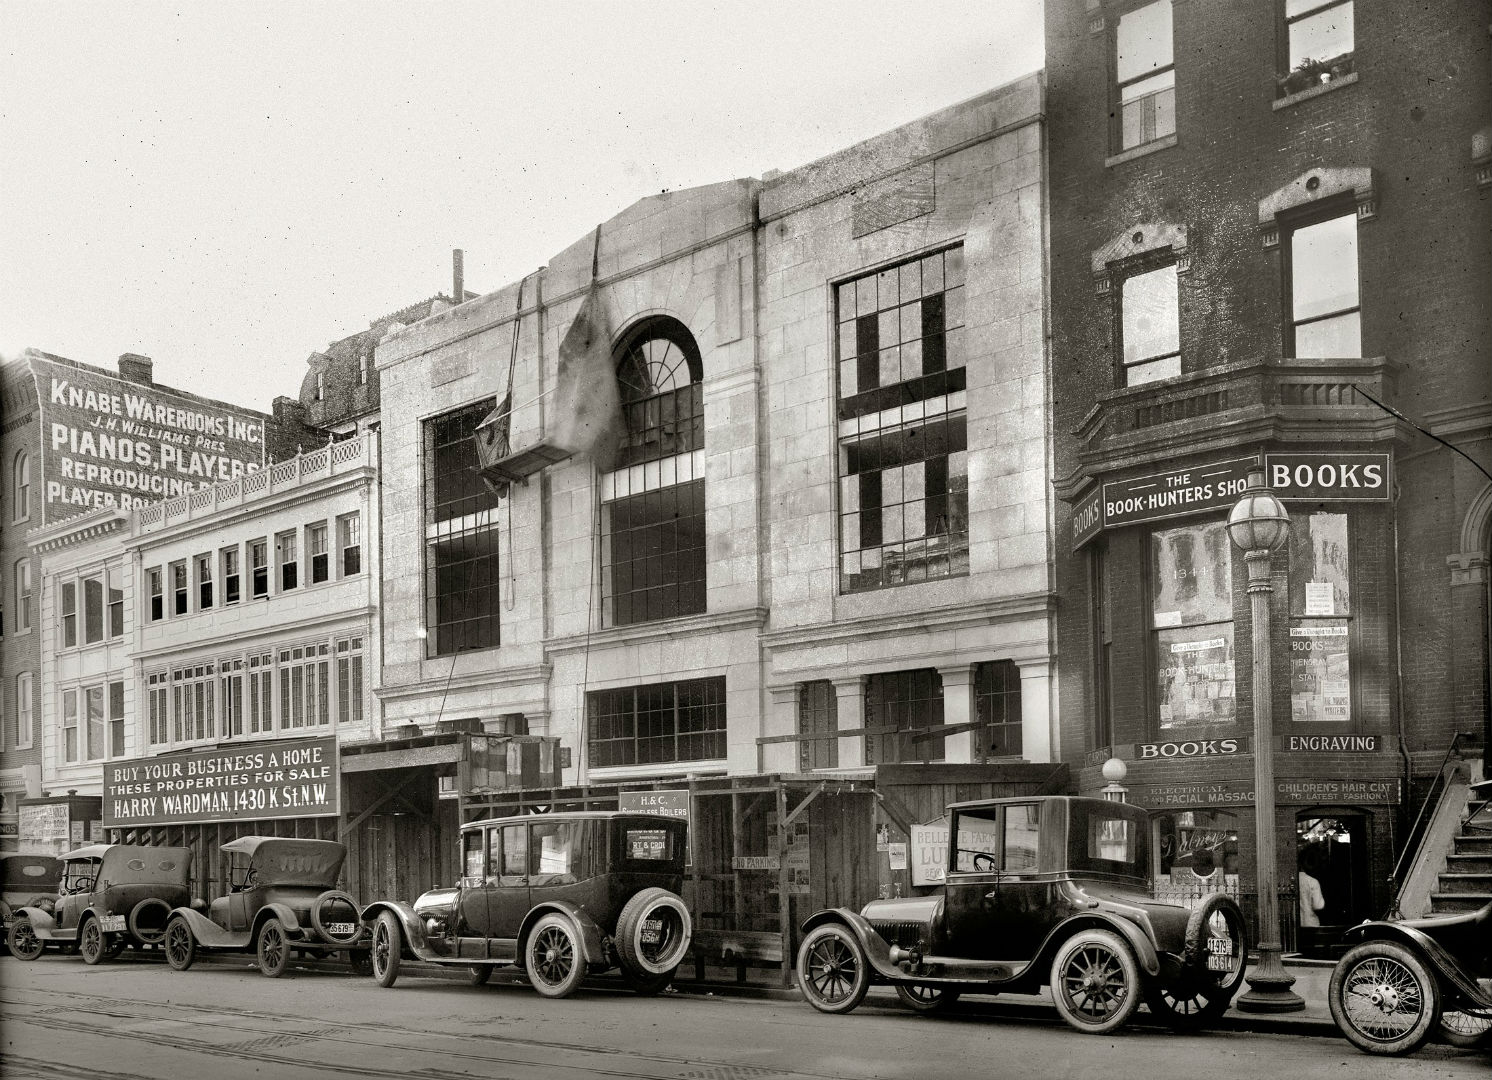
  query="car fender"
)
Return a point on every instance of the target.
[
  {"x": 1138, "y": 940},
  {"x": 293, "y": 928},
  {"x": 208, "y": 934},
  {"x": 1446, "y": 965},
  {"x": 877, "y": 949},
  {"x": 414, "y": 929},
  {"x": 42, "y": 923},
  {"x": 591, "y": 934}
]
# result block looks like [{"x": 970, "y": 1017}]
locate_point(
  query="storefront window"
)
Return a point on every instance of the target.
[
  {"x": 1192, "y": 620},
  {"x": 1320, "y": 596},
  {"x": 1197, "y": 852}
]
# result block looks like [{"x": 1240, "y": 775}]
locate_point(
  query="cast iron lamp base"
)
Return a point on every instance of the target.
[{"x": 1269, "y": 986}]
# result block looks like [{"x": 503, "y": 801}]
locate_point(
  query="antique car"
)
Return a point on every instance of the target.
[
  {"x": 283, "y": 899},
  {"x": 27, "y": 881},
  {"x": 556, "y": 895},
  {"x": 1042, "y": 891},
  {"x": 1406, "y": 979},
  {"x": 112, "y": 895}
]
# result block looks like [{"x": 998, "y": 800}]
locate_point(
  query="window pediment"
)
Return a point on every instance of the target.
[
  {"x": 1314, "y": 186},
  {"x": 1141, "y": 239}
]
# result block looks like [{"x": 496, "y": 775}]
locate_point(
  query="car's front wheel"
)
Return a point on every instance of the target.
[
  {"x": 22, "y": 940},
  {"x": 273, "y": 949},
  {"x": 926, "y": 997},
  {"x": 1384, "y": 998},
  {"x": 553, "y": 958},
  {"x": 92, "y": 942},
  {"x": 387, "y": 948},
  {"x": 181, "y": 945},
  {"x": 1095, "y": 981},
  {"x": 833, "y": 972}
]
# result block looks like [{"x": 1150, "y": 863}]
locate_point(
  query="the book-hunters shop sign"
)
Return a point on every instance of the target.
[
  {"x": 256, "y": 781},
  {"x": 111, "y": 442},
  {"x": 1318, "y": 477}
]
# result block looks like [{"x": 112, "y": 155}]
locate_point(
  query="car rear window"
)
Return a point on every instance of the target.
[
  {"x": 1111, "y": 840},
  {"x": 648, "y": 845}
]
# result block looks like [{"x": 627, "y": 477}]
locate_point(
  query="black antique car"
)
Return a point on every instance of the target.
[
  {"x": 27, "y": 881},
  {"x": 1043, "y": 891},
  {"x": 557, "y": 895},
  {"x": 1405, "y": 978},
  {"x": 283, "y": 899},
  {"x": 112, "y": 895}
]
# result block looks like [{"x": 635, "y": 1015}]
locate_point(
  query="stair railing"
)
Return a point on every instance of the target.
[{"x": 1438, "y": 789}]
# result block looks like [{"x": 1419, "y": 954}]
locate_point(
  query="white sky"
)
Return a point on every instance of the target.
[{"x": 229, "y": 187}]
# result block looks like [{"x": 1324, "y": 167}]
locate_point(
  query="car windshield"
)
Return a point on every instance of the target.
[{"x": 79, "y": 875}]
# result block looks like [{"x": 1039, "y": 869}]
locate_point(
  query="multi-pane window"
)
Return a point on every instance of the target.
[
  {"x": 349, "y": 542},
  {"x": 287, "y": 560},
  {"x": 659, "y": 373},
  {"x": 350, "y": 680},
  {"x": 305, "y": 686},
  {"x": 158, "y": 712},
  {"x": 93, "y": 698},
  {"x": 231, "y": 576},
  {"x": 1318, "y": 41},
  {"x": 69, "y": 725},
  {"x": 116, "y": 719},
  {"x": 461, "y": 537},
  {"x": 653, "y": 553},
  {"x": 20, "y": 507},
  {"x": 1320, "y": 619},
  {"x": 93, "y": 609},
  {"x": 818, "y": 715},
  {"x": 115, "y": 581},
  {"x": 230, "y": 695},
  {"x": 1191, "y": 587},
  {"x": 155, "y": 588},
  {"x": 997, "y": 708},
  {"x": 901, "y": 710},
  {"x": 22, "y": 576},
  {"x": 261, "y": 699},
  {"x": 259, "y": 567},
  {"x": 1149, "y": 326},
  {"x": 194, "y": 702},
  {"x": 24, "y": 714},
  {"x": 178, "y": 588},
  {"x": 1145, "y": 78},
  {"x": 69, "y": 614},
  {"x": 204, "y": 582},
  {"x": 902, "y": 433},
  {"x": 316, "y": 547},
  {"x": 1325, "y": 316},
  {"x": 657, "y": 723}
]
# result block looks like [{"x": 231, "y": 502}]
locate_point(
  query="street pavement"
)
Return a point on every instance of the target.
[{"x": 135, "y": 1019}]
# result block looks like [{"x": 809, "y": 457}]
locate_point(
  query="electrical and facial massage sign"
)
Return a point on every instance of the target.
[{"x": 106, "y": 441}]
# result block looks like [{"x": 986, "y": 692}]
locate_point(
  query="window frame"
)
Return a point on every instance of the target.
[
  {"x": 94, "y": 608},
  {"x": 258, "y": 559},
  {"x": 463, "y": 544},
  {"x": 349, "y": 544},
  {"x": 25, "y": 617},
  {"x": 180, "y": 588},
  {"x": 25, "y": 710},
  {"x": 230, "y": 561},
  {"x": 287, "y": 560},
  {"x": 114, "y": 577},
  {"x": 1133, "y": 270},
  {"x": 627, "y": 727},
  {"x": 317, "y": 533},
  {"x": 155, "y": 592},
  {"x": 67, "y": 605},
  {"x": 1292, "y": 74},
  {"x": 1236, "y": 587},
  {"x": 1290, "y": 224},
  {"x": 202, "y": 568},
  {"x": 1118, "y": 86},
  {"x": 20, "y": 487}
]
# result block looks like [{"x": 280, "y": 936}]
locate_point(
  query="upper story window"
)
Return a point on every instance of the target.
[
  {"x": 287, "y": 560},
  {"x": 232, "y": 578},
  {"x": 115, "y": 580},
  {"x": 462, "y": 570},
  {"x": 1149, "y": 326},
  {"x": 661, "y": 378},
  {"x": 179, "y": 588},
  {"x": 453, "y": 486},
  {"x": 1317, "y": 43},
  {"x": 657, "y": 724},
  {"x": 155, "y": 590},
  {"x": 22, "y": 574},
  {"x": 93, "y": 609},
  {"x": 69, "y": 614},
  {"x": 20, "y": 490},
  {"x": 1320, "y": 619},
  {"x": 1145, "y": 76},
  {"x": 204, "y": 582},
  {"x": 349, "y": 541},
  {"x": 1322, "y": 288},
  {"x": 903, "y": 462},
  {"x": 901, "y": 709},
  {"x": 259, "y": 566},
  {"x": 316, "y": 547},
  {"x": 24, "y": 710}
]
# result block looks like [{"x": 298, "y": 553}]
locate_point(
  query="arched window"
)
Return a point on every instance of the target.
[
  {"x": 653, "y": 548},
  {"x": 20, "y": 489}
]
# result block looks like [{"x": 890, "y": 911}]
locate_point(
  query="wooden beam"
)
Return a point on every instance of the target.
[
  {"x": 802, "y": 806},
  {"x": 896, "y": 811}
]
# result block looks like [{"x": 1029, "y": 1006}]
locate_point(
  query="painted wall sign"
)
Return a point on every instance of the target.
[
  {"x": 1334, "y": 477},
  {"x": 928, "y": 852},
  {"x": 106, "y": 441},
  {"x": 1292, "y": 792},
  {"x": 1332, "y": 744},
  {"x": 1171, "y": 494},
  {"x": 281, "y": 779},
  {"x": 1190, "y": 748}
]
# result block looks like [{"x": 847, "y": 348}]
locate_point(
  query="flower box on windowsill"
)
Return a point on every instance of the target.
[{"x": 1314, "y": 75}]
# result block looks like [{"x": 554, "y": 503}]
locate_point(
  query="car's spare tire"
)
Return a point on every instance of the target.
[
  {"x": 332, "y": 907},
  {"x": 147, "y": 921},
  {"x": 653, "y": 933}
]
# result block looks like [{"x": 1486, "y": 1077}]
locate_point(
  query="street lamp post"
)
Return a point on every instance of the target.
[{"x": 1259, "y": 526}]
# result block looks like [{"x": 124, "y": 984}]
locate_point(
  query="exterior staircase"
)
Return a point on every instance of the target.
[{"x": 1466, "y": 882}]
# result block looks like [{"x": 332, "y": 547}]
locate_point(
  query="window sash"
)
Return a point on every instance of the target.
[{"x": 659, "y": 723}]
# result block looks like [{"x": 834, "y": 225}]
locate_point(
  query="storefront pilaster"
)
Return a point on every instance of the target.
[{"x": 850, "y": 695}]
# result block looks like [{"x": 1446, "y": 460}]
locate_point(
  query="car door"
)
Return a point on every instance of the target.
[
  {"x": 477, "y": 882},
  {"x": 971, "y": 885},
  {"x": 509, "y": 898},
  {"x": 1023, "y": 908}
]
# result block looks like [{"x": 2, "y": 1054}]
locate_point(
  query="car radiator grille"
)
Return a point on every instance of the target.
[{"x": 905, "y": 934}]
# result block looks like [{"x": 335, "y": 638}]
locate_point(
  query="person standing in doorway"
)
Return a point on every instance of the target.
[{"x": 1311, "y": 898}]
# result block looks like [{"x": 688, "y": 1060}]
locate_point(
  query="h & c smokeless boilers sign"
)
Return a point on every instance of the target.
[
  {"x": 281, "y": 779},
  {"x": 106, "y": 441}
]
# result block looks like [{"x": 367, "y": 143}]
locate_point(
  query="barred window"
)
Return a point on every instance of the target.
[
  {"x": 462, "y": 569},
  {"x": 657, "y": 723},
  {"x": 901, "y": 709},
  {"x": 902, "y": 430}
]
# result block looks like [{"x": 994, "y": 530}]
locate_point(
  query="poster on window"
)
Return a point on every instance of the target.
[
  {"x": 1195, "y": 676},
  {"x": 1320, "y": 686}
]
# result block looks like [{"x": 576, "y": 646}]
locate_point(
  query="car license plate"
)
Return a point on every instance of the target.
[
  {"x": 111, "y": 924},
  {"x": 1219, "y": 954},
  {"x": 652, "y": 931},
  {"x": 341, "y": 929}
]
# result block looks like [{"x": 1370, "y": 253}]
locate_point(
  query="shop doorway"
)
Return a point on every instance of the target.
[{"x": 1332, "y": 847}]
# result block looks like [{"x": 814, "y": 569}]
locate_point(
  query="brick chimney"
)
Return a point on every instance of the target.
[{"x": 137, "y": 368}]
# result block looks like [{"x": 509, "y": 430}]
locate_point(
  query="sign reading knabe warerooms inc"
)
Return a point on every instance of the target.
[
  {"x": 287, "y": 778},
  {"x": 107, "y": 441}
]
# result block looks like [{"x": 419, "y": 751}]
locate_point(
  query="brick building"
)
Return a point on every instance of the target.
[{"x": 1263, "y": 215}]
